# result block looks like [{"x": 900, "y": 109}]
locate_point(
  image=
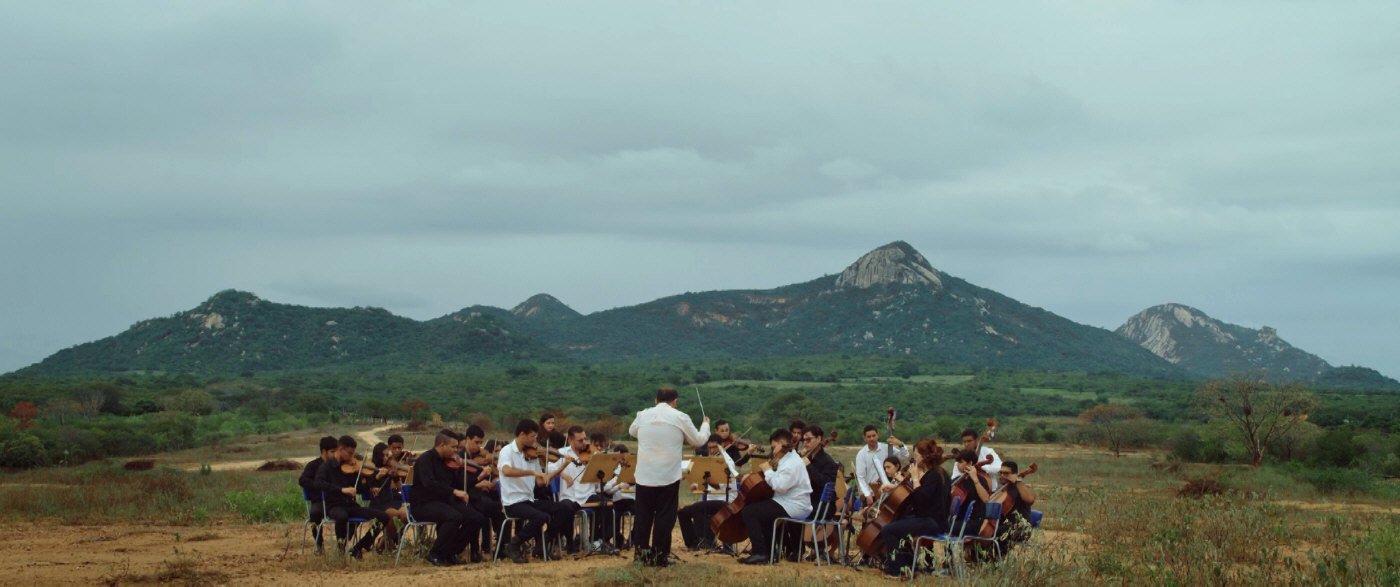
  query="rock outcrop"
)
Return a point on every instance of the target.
[{"x": 1189, "y": 338}]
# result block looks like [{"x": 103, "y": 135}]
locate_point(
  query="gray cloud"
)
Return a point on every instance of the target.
[{"x": 1091, "y": 160}]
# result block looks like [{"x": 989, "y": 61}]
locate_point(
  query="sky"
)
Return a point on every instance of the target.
[{"x": 1090, "y": 158}]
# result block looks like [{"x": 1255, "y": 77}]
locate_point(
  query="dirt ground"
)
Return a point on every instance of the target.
[{"x": 235, "y": 554}]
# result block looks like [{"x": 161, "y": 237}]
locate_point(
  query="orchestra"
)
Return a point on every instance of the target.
[{"x": 467, "y": 485}]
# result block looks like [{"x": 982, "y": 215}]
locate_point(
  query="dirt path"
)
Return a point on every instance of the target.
[{"x": 370, "y": 437}]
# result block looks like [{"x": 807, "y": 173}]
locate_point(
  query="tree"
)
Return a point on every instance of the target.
[
  {"x": 1260, "y": 412},
  {"x": 25, "y": 412},
  {"x": 1112, "y": 425}
]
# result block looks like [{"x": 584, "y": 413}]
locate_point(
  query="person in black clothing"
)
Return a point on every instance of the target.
[
  {"x": 821, "y": 469},
  {"x": 976, "y": 492},
  {"x": 1015, "y": 523},
  {"x": 307, "y": 481},
  {"x": 481, "y": 491},
  {"x": 740, "y": 457},
  {"x": 340, "y": 488},
  {"x": 927, "y": 512},
  {"x": 385, "y": 484},
  {"x": 434, "y": 498},
  {"x": 694, "y": 519}
]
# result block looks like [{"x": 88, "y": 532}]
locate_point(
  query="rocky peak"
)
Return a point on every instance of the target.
[
  {"x": 1188, "y": 337},
  {"x": 544, "y": 306},
  {"x": 894, "y": 264}
]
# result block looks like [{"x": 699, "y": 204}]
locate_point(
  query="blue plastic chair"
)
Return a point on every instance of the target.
[
  {"x": 414, "y": 524},
  {"x": 315, "y": 529},
  {"x": 994, "y": 515},
  {"x": 828, "y": 500},
  {"x": 949, "y": 540}
]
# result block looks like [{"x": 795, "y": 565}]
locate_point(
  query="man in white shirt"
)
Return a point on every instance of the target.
[
  {"x": 661, "y": 432},
  {"x": 695, "y": 518},
  {"x": 870, "y": 468},
  {"x": 792, "y": 498},
  {"x": 970, "y": 443},
  {"x": 519, "y": 477}
]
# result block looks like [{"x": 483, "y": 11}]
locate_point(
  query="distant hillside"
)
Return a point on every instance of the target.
[
  {"x": 236, "y": 331},
  {"x": 890, "y": 301},
  {"x": 1188, "y": 338},
  {"x": 1356, "y": 378}
]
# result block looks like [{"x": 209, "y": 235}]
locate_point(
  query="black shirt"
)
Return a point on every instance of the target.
[
  {"x": 330, "y": 480},
  {"x": 821, "y": 470},
  {"x": 930, "y": 500},
  {"x": 307, "y": 480},
  {"x": 432, "y": 480}
]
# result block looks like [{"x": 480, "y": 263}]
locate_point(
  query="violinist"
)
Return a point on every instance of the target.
[
  {"x": 973, "y": 443},
  {"x": 339, "y": 481},
  {"x": 481, "y": 490},
  {"x": 396, "y": 448},
  {"x": 791, "y": 498},
  {"x": 385, "y": 484},
  {"x": 927, "y": 512},
  {"x": 622, "y": 503},
  {"x": 738, "y": 449},
  {"x": 869, "y": 472},
  {"x": 436, "y": 499},
  {"x": 307, "y": 481},
  {"x": 520, "y": 474}
]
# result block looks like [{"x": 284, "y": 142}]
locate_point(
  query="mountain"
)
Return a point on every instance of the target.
[
  {"x": 891, "y": 301},
  {"x": 236, "y": 331},
  {"x": 1190, "y": 339}
]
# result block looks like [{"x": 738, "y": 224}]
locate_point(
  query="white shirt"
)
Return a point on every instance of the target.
[
  {"x": 581, "y": 490},
  {"x": 992, "y": 469},
  {"x": 870, "y": 465},
  {"x": 661, "y": 432},
  {"x": 517, "y": 489},
  {"x": 791, "y": 487}
]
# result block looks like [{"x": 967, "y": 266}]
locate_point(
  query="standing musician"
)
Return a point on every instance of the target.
[
  {"x": 661, "y": 432},
  {"x": 870, "y": 474},
  {"x": 731, "y": 445},
  {"x": 927, "y": 512},
  {"x": 791, "y": 498},
  {"x": 695, "y": 518},
  {"x": 338, "y": 479},
  {"x": 520, "y": 474},
  {"x": 971, "y": 444},
  {"x": 436, "y": 499},
  {"x": 307, "y": 481}
]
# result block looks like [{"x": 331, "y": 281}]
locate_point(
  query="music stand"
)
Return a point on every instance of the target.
[
  {"x": 703, "y": 470},
  {"x": 628, "y": 474},
  {"x": 600, "y": 469}
]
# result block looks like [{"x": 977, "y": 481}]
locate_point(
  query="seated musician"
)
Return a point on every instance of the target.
[
  {"x": 731, "y": 443},
  {"x": 574, "y": 490},
  {"x": 870, "y": 474},
  {"x": 821, "y": 468},
  {"x": 797, "y": 427},
  {"x": 891, "y": 467},
  {"x": 975, "y": 493},
  {"x": 385, "y": 493},
  {"x": 520, "y": 476},
  {"x": 927, "y": 512},
  {"x": 694, "y": 519},
  {"x": 307, "y": 481},
  {"x": 338, "y": 480},
  {"x": 618, "y": 492},
  {"x": 791, "y": 498},
  {"x": 396, "y": 449},
  {"x": 971, "y": 444},
  {"x": 1015, "y": 524},
  {"x": 481, "y": 489},
  {"x": 436, "y": 498}
]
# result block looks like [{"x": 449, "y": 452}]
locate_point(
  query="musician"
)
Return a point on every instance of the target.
[
  {"x": 695, "y": 518},
  {"x": 614, "y": 489},
  {"x": 435, "y": 498},
  {"x": 385, "y": 493},
  {"x": 891, "y": 467},
  {"x": 481, "y": 495},
  {"x": 971, "y": 444},
  {"x": 338, "y": 480},
  {"x": 519, "y": 477},
  {"x": 821, "y": 468},
  {"x": 869, "y": 471},
  {"x": 975, "y": 488},
  {"x": 797, "y": 427},
  {"x": 730, "y": 443},
  {"x": 661, "y": 432},
  {"x": 546, "y": 424},
  {"x": 791, "y": 499},
  {"x": 307, "y": 481},
  {"x": 927, "y": 512},
  {"x": 1015, "y": 523},
  {"x": 396, "y": 449}
]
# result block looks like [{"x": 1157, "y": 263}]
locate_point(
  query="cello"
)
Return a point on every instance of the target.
[
  {"x": 1007, "y": 503},
  {"x": 890, "y": 507},
  {"x": 728, "y": 523},
  {"x": 960, "y": 492}
]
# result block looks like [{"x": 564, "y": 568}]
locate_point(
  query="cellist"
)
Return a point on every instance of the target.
[
  {"x": 1016, "y": 497},
  {"x": 927, "y": 512},
  {"x": 974, "y": 443},
  {"x": 791, "y": 498}
]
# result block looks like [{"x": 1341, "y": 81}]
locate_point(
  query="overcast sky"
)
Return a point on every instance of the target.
[{"x": 1091, "y": 158}]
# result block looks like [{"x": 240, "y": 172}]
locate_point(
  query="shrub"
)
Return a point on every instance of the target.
[
  {"x": 254, "y": 507},
  {"x": 21, "y": 449}
]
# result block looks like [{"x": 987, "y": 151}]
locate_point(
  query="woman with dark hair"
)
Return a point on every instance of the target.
[
  {"x": 386, "y": 496},
  {"x": 927, "y": 511}
]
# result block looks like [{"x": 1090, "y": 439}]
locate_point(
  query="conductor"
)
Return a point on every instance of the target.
[{"x": 661, "y": 432}]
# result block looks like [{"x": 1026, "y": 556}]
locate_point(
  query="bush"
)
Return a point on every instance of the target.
[
  {"x": 254, "y": 507},
  {"x": 1333, "y": 479},
  {"x": 21, "y": 449}
]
